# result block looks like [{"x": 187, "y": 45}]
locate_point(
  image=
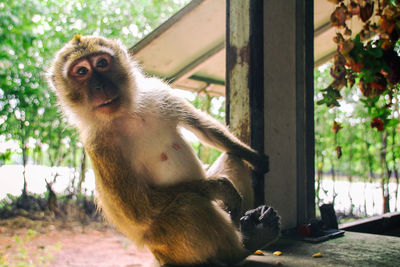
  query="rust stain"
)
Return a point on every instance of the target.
[
  {"x": 231, "y": 55},
  {"x": 163, "y": 157},
  {"x": 244, "y": 55},
  {"x": 243, "y": 131}
]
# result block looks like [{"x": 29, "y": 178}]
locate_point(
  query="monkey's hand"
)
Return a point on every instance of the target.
[
  {"x": 259, "y": 163},
  {"x": 260, "y": 227}
]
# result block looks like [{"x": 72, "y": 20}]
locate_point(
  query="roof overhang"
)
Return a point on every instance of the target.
[{"x": 188, "y": 50}]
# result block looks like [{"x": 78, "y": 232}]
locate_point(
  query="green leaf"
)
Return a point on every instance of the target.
[{"x": 330, "y": 97}]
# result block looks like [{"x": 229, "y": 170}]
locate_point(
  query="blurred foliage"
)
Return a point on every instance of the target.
[
  {"x": 214, "y": 106},
  {"x": 31, "y": 31},
  {"x": 369, "y": 59},
  {"x": 367, "y": 154},
  {"x": 363, "y": 95}
]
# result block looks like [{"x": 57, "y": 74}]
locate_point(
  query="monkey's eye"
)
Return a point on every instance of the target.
[
  {"x": 82, "y": 71},
  {"x": 102, "y": 63}
]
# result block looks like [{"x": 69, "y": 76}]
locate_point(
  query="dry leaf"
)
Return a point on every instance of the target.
[
  {"x": 317, "y": 255},
  {"x": 339, "y": 16},
  {"x": 366, "y": 12},
  {"x": 336, "y": 127},
  {"x": 258, "y": 252},
  {"x": 277, "y": 253},
  {"x": 339, "y": 152}
]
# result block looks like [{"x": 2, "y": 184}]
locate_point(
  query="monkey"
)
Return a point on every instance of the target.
[{"x": 150, "y": 184}]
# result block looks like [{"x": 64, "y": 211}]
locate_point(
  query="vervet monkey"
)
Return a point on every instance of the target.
[{"x": 149, "y": 182}]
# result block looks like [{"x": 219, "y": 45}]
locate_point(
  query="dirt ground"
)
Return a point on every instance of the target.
[{"x": 46, "y": 244}]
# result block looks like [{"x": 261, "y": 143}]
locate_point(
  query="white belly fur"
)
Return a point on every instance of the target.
[{"x": 157, "y": 149}]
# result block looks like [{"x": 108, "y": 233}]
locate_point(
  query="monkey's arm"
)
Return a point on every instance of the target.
[{"x": 213, "y": 133}]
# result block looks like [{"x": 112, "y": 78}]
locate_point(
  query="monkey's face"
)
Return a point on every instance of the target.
[{"x": 92, "y": 77}]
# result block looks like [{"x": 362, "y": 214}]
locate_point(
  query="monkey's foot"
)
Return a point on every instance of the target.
[{"x": 260, "y": 227}]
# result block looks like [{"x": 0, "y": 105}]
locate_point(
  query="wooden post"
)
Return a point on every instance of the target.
[
  {"x": 244, "y": 78},
  {"x": 269, "y": 81}
]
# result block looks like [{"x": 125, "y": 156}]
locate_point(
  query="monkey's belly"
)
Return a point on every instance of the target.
[
  {"x": 156, "y": 149},
  {"x": 176, "y": 162},
  {"x": 166, "y": 158}
]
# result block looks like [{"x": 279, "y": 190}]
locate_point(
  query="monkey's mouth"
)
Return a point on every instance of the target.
[{"x": 109, "y": 103}]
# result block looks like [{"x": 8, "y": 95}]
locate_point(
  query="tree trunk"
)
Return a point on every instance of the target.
[
  {"x": 351, "y": 210},
  {"x": 385, "y": 195},
  {"x": 24, "y": 159},
  {"x": 350, "y": 177},
  {"x": 74, "y": 166},
  {"x": 371, "y": 174},
  {"x": 82, "y": 175},
  {"x": 397, "y": 189},
  {"x": 333, "y": 172},
  {"x": 365, "y": 197},
  {"x": 395, "y": 170},
  {"x": 385, "y": 176},
  {"x": 319, "y": 179}
]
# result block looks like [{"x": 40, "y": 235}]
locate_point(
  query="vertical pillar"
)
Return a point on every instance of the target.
[
  {"x": 238, "y": 68},
  {"x": 288, "y": 102},
  {"x": 305, "y": 114},
  {"x": 244, "y": 77}
]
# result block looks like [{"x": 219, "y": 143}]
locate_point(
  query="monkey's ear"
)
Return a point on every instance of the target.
[{"x": 77, "y": 38}]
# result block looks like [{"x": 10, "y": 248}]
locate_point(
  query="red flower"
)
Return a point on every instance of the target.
[
  {"x": 356, "y": 67},
  {"x": 376, "y": 86},
  {"x": 378, "y": 124}
]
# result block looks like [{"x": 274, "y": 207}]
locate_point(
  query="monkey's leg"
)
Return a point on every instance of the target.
[
  {"x": 259, "y": 227},
  {"x": 193, "y": 230},
  {"x": 221, "y": 188},
  {"x": 214, "y": 188},
  {"x": 235, "y": 170}
]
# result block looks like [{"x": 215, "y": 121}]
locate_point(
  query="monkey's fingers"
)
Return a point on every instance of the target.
[
  {"x": 260, "y": 227},
  {"x": 269, "y": 218}
]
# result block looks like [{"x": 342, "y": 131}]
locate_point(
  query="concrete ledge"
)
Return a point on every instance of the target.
[
  {"x": 353, "y": 249},
  {"x": 386, "y": 224}
]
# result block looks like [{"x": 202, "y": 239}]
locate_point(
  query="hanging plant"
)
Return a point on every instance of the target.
[{"x": 370, "y": 59}]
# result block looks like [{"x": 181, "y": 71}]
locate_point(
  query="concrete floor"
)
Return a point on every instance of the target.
[{"x": 353, "y": 249}]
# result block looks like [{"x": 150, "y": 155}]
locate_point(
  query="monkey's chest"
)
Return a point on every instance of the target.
[{"x": 166, "y": 158}]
